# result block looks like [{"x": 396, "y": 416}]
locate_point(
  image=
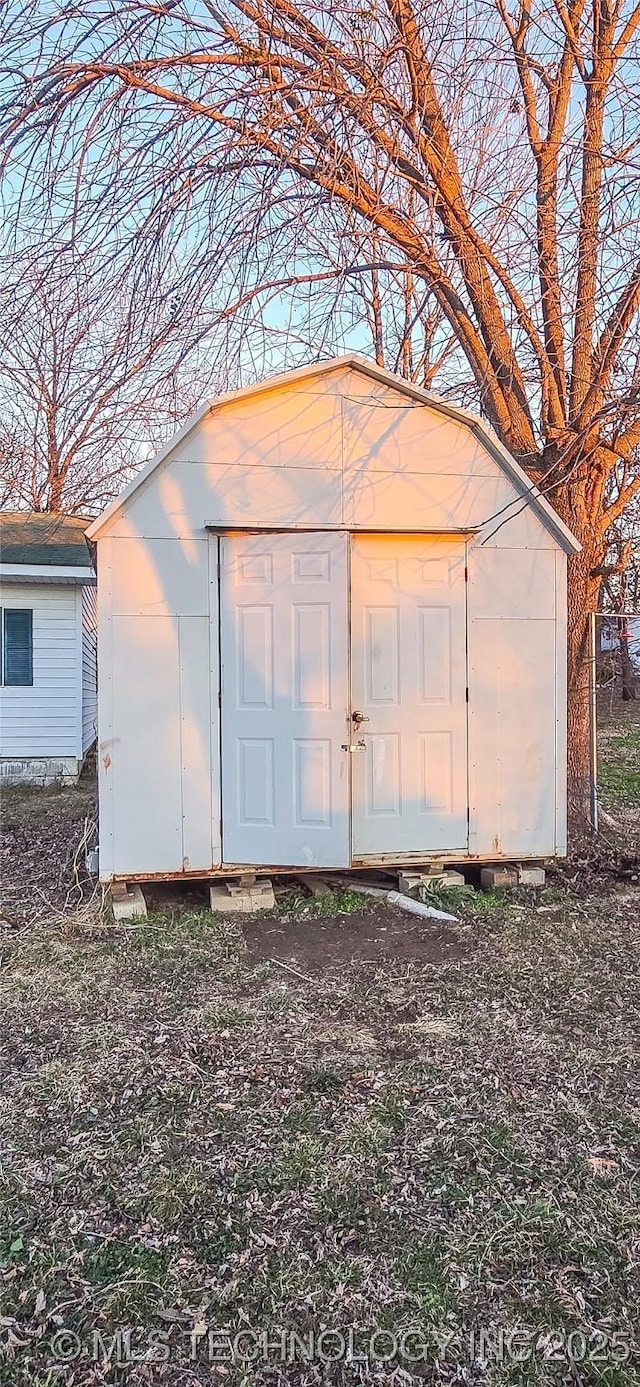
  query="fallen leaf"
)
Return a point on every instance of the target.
[{"x": 602, "y": 1165}]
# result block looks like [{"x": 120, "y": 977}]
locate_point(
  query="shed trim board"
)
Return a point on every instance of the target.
[
  {"x": 530, "y": 493},
  {"x": 373, "y": 862},
  {"x": 45, "y": 573},
  {"x": 79, "y": 665},
  {"x": 464, "y": 531}
]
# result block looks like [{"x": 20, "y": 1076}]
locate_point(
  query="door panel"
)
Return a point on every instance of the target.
[
  {"x": 284, "y": 652},
  {"x": 408, "y": 658}
]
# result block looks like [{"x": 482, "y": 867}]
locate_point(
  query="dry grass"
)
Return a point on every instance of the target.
[
  {"x": 190, "y": 1138},
  {"x": 619, "y": 769},
  {"x": 44, "y": 838}
]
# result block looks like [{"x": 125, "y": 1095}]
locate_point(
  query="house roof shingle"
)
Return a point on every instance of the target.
[{"x": 38, "y": 537}]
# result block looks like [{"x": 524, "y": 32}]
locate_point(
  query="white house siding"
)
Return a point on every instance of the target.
[
  {"x": 89, "y": 666},
  {"x": 337, "y": 451},
  {"x": 43, "y": 719}
]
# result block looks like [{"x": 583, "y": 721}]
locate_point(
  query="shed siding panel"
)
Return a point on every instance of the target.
[
  {"x": 165, "y": 582},
  {"x": 159, "y": 802},
  {"x": 513, "y": 810},
  {"x": 383, "y": 435},
  {"x": 561, "y": 702},
  {"x": 145, "y": 758},
  {"x": 292, "y": 427},
  {"x": 513, "y": 583},
  {"x": 195, "y": 746},
  {"x": 160, "y": 577},
  {"x": 419, "y": 501},
  {"x": 89, "y": 667},
  {"x": 516, "y": 527},
  {"x": 106, "y": 790},
  {"x": 189, "y": 495},
  {"x": 186, "y": 496},
  {"x": 512, "y": 703},
  {"x": 42, "y": 719}
]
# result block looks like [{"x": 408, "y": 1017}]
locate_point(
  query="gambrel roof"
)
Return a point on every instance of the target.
[{"x": 473, "y": 422}]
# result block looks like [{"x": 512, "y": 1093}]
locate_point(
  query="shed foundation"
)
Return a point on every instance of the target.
[{"x": 39, "y": 770}]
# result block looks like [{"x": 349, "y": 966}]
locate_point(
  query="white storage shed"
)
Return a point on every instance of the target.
[{"x": 331, "y": 632}]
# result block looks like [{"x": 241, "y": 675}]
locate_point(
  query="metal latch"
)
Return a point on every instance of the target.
[{"x": 354, "y": 746}]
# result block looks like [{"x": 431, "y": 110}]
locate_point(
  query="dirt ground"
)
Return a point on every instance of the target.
[
  {"x": 221, "y": 1140},
  {"x": 42, "y": 834},
  {"x": 376, "y": 934},
  {"x": 429, "y": 1139}
]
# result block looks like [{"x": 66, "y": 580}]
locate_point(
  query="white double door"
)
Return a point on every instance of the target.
[{"x": 343, "y": 695}]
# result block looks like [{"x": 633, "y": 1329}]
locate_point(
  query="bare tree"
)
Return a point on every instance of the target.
[
  {"x": 620, "y": 592},
  {"x": 98, "y": 364},
  {"x": 12, "y": 466},
  {"x": 490, "y": 151},
  {"x": 356, "y": 293},
  {"x": 92, "y": 365},
  {"x": 621, "y": 583}
]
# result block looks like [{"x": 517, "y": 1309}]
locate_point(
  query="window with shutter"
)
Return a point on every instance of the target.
[{"x": 17, "y": 646}]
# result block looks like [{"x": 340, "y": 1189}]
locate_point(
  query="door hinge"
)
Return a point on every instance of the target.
[{"x": 466, "y": 573}]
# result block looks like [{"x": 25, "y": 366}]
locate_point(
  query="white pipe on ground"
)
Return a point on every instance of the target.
[
  {"x": 428, "y": 912},
  {"x": 419, "y": 908}
]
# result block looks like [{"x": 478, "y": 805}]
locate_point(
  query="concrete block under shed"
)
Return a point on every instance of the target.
[
  {"x": 231, "y": 898},
  {"x": 410, "y": 882},
  {"x": 499, "y": 877},
  {"x": 39, "y": 770},
  {"x": 531, "y": 875},
  {"x": 128, "y": 903},
  {"x": 445, "y": 879},
  {"x": 316, "y": 885}
]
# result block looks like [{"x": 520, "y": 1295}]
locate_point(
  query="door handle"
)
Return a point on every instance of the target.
[{"x": 358, "y": 717}]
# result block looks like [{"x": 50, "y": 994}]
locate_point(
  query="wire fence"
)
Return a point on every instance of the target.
[{"x": 614, "y": 681}]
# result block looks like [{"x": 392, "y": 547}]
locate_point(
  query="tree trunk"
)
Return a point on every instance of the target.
[
  {"x": 629, "y": 686},
  {"x": 583, "y": 585},
  {"x": 582, "y": 598}
]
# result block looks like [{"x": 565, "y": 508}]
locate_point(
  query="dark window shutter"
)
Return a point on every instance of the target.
[{"x": 18, "y": 646}]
